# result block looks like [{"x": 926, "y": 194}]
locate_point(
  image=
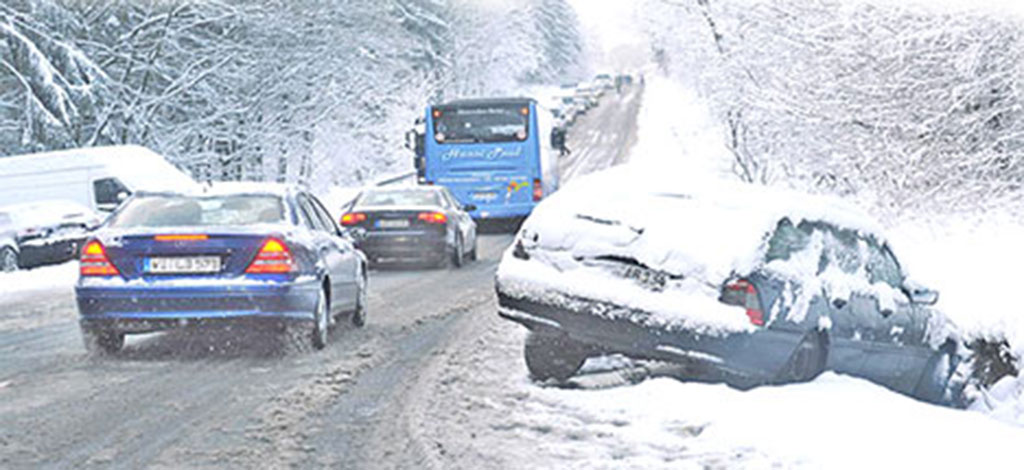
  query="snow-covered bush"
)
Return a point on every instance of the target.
[{"x": 910, "y": 108}]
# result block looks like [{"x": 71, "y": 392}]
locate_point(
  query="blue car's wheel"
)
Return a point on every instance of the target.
[
  {"x": 102, "y": 342},
  {"x": 359, "y": 315},
  {"x": 321, "y": 322}
]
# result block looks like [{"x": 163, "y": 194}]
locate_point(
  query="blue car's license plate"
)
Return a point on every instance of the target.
[{"x": 183, "y": 265}]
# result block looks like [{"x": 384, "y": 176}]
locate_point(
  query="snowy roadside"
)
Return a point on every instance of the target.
[
  {"x": 478, "y": 409},
  {"x": 29, "y": 282}
]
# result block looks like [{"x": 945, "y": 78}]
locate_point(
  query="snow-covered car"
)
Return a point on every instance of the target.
[
  {"x": 8, "y": 244},
  {"x": 760, "y": 285},
  {"x": 48, "y": 232},
  {"x": 423, "y": 223}
]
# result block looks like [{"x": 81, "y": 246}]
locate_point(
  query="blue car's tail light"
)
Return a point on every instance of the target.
[
  {"x": 94, "y": 261},
  {"x": 273, "y": 258}
]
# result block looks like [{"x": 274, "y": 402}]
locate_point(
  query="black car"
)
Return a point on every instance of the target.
[
  {"x": 412, "y": 224},
  {"x": 754, "y": 286},
  {"x": 45, "y": 232}
]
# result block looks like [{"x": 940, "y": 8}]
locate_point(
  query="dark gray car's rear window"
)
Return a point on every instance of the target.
[{"x": 395, "y": 197}]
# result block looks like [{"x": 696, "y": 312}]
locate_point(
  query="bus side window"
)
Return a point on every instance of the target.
[{"x": 108, "y": 193}]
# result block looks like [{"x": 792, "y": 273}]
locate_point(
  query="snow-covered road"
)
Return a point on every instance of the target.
[{"x": 219, "y": 399}]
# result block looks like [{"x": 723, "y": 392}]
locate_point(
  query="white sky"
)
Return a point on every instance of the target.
[{"x": 609, "y": 26}]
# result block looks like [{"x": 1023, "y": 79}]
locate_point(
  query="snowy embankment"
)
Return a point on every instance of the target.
[
  {"x": 832, "y": 422},
  {"x": 19, "y": 284}
]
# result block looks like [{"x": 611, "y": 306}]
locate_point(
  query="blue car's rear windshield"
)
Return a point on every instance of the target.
[{"x": 193, "y": 211}]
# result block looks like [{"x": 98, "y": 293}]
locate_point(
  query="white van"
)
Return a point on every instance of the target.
[{"x": 96, "y": 177}]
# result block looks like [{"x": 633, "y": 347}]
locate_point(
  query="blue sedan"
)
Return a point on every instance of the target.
[{"x": 168, "y": 260}]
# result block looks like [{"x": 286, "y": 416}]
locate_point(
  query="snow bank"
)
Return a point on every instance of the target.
[
  {"x": 32, "y": 281},
  {"x": 834, "y": 422}
]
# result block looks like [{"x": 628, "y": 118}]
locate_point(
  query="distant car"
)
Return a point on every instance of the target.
[
  {"x": 48, "y": 232},
  {"x": 763, "y": 287},
  {"x": 165, "y": 260},
  {"x": 423, "y": 223},
  {"x": 8, "y": 244}
]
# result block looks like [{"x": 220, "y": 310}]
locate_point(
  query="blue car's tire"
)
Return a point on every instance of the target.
[
  {"x": 321, "y": 322},
  {"x": 102, "y": 342},
  {"x": 362, "y": 300}
]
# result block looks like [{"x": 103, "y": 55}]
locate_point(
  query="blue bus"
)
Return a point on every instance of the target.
[{"x": 492, "y": 154}]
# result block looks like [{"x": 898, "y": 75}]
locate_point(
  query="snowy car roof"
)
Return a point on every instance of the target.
[{"x": 693, "y": 228}]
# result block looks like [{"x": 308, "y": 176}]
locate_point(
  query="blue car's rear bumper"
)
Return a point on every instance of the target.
[{"x": 148, "y": 307}]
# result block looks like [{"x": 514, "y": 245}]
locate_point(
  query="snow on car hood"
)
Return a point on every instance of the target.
[
  {"x": 689, "y": 228},
  {"x": 701, "y": 235}
]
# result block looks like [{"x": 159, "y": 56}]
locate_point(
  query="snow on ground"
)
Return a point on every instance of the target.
[
  {"x": 33, "y": 281},
  {"x": 974, "y": 263},
  {"x": 832, "y": 422}
]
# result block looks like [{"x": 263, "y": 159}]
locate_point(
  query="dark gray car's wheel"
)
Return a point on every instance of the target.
[
  {"x": 8, "y": 260},
  {"x": 458, "y": 252},
  {"x": 807, "y": 361},
  {"x": 321, "y": 322},
  {"x": 550, "y": 356},
  {"x": 359, "y": 315},
  {"x": 472, "y": 255},
  {"x": 102, "y": 342}
]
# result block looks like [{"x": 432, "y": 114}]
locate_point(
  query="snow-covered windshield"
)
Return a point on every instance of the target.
[
  {"x": 476, "y": 124},
  {"x": 188, "y": 211}
]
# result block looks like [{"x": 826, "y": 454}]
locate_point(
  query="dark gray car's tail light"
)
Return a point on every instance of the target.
[
  {"x": 742, "y": 293},
  {"x": 433, "y": 217},
  {"x": 353, "y": 218}
]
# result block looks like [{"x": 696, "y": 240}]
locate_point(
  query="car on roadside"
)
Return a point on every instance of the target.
[
  {"x": 270, "y": 256},
  {"x": 755, "y": 285},
  {"x": 412, "y": 224},
  {"x": 46, "y": 232}
]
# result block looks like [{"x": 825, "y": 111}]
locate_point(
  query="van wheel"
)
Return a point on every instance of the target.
[
  {"x": 807, "y": 361},
  {"x": 102, "y": 342},
  {"x": 553, "y": 356},
  {"x": 8, "y": 260}
]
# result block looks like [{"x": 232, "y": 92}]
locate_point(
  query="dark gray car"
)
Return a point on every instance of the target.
[
  {"x": 412, "y": 224},
  {"x": 820, "y": 295}
]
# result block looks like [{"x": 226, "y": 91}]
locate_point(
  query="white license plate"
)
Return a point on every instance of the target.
[
  {"x": 485, "y": 196},
  {"x": 393, "y": 223},
  {"x": 183, "y": 265}
]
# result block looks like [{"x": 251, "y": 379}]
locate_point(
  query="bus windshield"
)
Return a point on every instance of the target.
[{"x": 480, "y": 124}]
